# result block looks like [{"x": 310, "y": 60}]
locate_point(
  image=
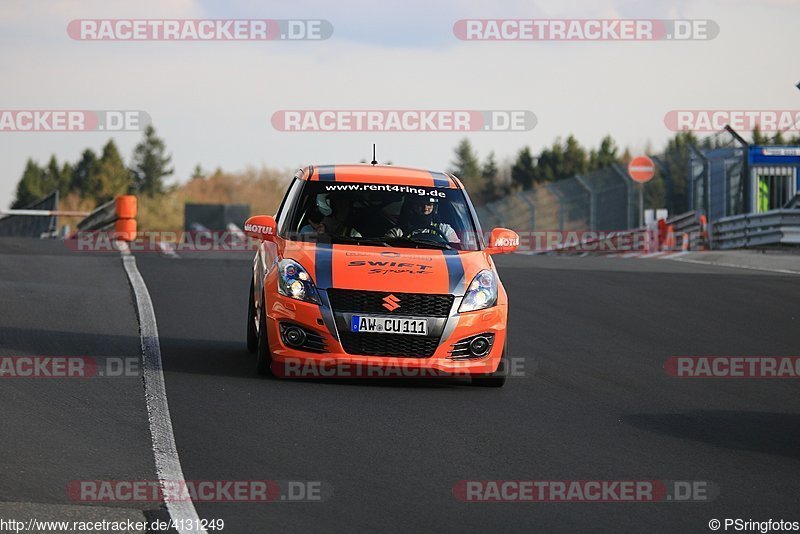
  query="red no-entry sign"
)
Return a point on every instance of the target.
[{"x": 641, "y": 169}]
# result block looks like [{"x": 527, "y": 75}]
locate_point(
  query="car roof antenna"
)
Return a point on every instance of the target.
[{"x": 374, "y": 161}]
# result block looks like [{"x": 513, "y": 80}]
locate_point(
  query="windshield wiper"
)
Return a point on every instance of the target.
[
  {"x": 422, "y": 242},
  {"x": 360, "y": 240}
]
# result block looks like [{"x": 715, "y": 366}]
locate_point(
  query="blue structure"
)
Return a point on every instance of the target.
[{"x": 747, "y": 179}]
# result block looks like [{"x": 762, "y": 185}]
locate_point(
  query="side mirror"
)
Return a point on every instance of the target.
[
  {"x": 502, "y": 240},
  {"x": 261, "y": 227}
]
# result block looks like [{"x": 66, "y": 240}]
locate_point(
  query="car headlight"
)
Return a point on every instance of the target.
[
  {"x": 294, "y": 282},
  {"x": 482, "y": 292}
]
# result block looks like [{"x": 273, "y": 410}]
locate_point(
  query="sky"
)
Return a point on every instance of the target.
[{"x": 212, "y": 101}]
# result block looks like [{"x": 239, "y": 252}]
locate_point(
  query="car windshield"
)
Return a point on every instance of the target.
[{"x": 383, "y": 215}]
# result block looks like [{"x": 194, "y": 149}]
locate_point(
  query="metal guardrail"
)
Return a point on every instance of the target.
[
  {"x": 684, "y": 222},
  {"x": 102, "y": 218},
  {"x": 118, "y": 215},
  {"x": 688, "y": 224},
  {"x": 776, "y": 227}
]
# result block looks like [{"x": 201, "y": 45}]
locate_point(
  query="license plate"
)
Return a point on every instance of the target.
[{"x": 388, "y": 325}]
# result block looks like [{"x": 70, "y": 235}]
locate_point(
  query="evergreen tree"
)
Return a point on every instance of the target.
[
  {"x": 490, "y": 173},
  {"x": 523, "y": 173},
  {"x": 605, "y": 156},
  {"x": 29, "y": 188},
  {"x": 151, "y": 164},
  {"x": 759, "y": 138},
  {"x": 550, "y": 163},
  {"x": 83, "y": 173},
  {"x": 466, "y": 166},
  {"x": 676, "y": 158},
  {"x": 199, "y": 174},
  {"x": 111, "y": 177},
  {"x": 575, "y": 161},
  {"x": 51, "y": 177}
]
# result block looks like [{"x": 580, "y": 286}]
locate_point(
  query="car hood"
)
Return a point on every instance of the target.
[{"x": 403, "y": 270}]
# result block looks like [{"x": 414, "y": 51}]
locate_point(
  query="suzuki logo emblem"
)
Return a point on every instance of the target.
[{"x": 391, "y": 303}]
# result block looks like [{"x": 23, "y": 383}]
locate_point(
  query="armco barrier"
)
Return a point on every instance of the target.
[
  {"x": 773, "y": 228},
  {"x": 118, "y": 215},
  {"x": 687, "y": 230}
]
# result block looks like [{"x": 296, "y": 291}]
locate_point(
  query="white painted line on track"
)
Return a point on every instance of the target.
[
  {"x": 735, "y": 266},
  {"x": 167, "y": 249},
  {"x": 123, "y": 248},
  {"x": 650, "y": 255},
  {"x": 168, "y": 465}
]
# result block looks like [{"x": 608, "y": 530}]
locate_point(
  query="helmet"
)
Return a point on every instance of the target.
[{"x": 324, "y": 204}]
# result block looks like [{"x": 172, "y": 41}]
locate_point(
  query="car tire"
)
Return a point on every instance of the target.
[
  {"x": 252, "y": 334},
  {"x": 263, "y": 356},
  {"x": 496, "y": 379}
]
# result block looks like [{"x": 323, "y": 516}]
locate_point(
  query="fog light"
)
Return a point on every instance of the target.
[
  {"x": 294, "y": 336},
  {"x": 480, "y": 346}
]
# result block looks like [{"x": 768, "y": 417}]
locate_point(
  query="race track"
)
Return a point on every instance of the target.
[{"x": 594, "y": 402}]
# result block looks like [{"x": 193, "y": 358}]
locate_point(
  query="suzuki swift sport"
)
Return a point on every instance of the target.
[{"x": 376, "y": 267}]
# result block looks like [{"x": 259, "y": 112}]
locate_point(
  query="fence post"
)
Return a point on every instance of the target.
[
  {"x": 560, "y": 197},
  {"x": 532, "y": 206},
  {"x": 628, "y": 182},
  {"x": 592, "y": 209},
  {"x": 669, "y": 186}
]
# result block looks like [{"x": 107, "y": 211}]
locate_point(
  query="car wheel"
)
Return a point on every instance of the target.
[
  {"x": 263, "y": 356},
  {"x": 496, "y": 379},
  {"x": 252, "y": 334}
]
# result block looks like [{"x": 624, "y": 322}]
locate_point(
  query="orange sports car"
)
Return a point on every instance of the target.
[{"x": 377, "y": 271}]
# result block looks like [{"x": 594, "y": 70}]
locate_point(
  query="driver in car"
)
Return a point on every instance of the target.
[
  {"x": 330, "y": 217},
  {"x": 421, "y": 219}
]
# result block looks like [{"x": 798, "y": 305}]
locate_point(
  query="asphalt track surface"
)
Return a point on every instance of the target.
[{"x": 594, "y": 402}]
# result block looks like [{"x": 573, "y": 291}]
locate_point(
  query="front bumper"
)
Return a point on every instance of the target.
[{"x": 335, "y": 361}]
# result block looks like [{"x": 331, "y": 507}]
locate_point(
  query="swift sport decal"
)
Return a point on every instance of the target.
[
  {"x": 391, "y": 267},
  {"x": 378, "y": 269}
]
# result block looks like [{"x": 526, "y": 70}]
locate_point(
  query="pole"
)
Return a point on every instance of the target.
[
  {"x": 641, "y": 205},
  {"x": 45, "y": 213}
]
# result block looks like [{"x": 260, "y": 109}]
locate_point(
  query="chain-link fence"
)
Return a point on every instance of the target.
[
  {"x": 214, "y": 216},
  {"x": 606, "y": 199},
  {"x": 32, "y": 225}
]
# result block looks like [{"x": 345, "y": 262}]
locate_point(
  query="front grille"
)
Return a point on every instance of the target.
[
  {"x": 410, "y": 304},
  {"x": 396, "y": 345}
]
